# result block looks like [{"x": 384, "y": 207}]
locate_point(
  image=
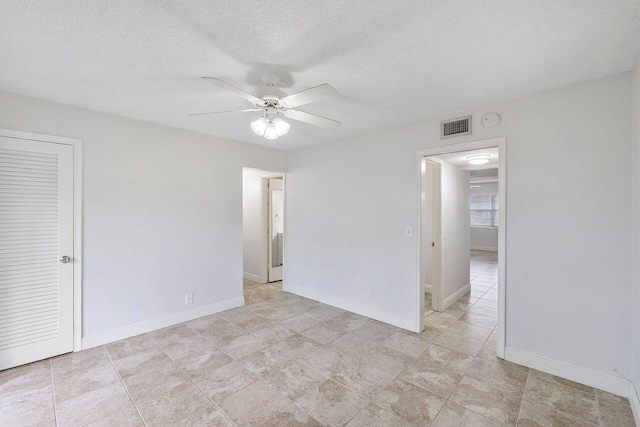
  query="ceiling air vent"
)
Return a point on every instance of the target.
[{"x": 455, "y": 127}]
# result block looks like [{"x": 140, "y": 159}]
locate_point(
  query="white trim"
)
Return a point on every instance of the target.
[
  {"x": 456, "y": 296},
  {"x": 427, "y": 289},
  {"x": 484, "y": 248},
  {"x": 252, "y": 277},
  {"x": 77, "y": 219},
  {"x": 264, "y": 241},
  {"x": 383, "y": 316},
  {"x": 159, "y": 323},
  {"x": 501, "y": 143},
  {"x": 609, "y": 383}
]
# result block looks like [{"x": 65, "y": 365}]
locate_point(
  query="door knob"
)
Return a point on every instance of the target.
[{"x": 65, "y": 259}]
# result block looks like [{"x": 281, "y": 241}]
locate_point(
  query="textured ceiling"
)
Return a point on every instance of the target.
[{"x": 392, "y": 61}]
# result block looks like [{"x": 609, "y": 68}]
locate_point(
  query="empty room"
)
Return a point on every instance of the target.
[{"x": 259, "y": 213}]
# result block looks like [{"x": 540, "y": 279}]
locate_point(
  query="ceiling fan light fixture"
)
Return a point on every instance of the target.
[
  {"x": 260, "y": 126},
  {"x": 282, "y": 127},
  {"x": 479, "y": 159},
  {"x": 270, "y": 129},
  {"x": 271, "y": 132}
]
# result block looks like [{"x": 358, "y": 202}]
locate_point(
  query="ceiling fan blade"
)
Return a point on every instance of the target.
[
  {"x": 308, "y": 96},
  {"x": 232, "y": 88},
  {"x": 229, "y": 111},
  {"x": 311, "y": 119}
]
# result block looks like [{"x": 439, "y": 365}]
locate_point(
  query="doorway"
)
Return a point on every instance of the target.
[
  {"x": 462, "y": 238},
  {"x": 40, "y": 235},
  {"x": 275, "y": 225},
  {"x": 263, "y": 226}
]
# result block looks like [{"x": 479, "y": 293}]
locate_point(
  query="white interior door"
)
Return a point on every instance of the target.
[
  {"x": 276, "y": 228},
  {"x": 36, "y": 234}
]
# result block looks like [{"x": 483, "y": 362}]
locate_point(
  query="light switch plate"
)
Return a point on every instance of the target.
[{"x": 408, "y": 231}]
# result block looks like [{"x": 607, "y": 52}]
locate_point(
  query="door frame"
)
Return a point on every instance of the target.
[
  {"x": 501, "y": 143},
  {"x": 436, "y": 237},
  {"x": 264, "y": 242},
  {"x": 77, "y": 219}
]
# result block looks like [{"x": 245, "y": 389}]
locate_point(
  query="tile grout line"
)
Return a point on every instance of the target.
[
  {"x": 526, "y": 384},
  {"x": 53, "y": 394},
  {"x": 124, "y": 386}
]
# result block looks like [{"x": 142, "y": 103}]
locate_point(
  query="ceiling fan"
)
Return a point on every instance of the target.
[{"x": 274, "y": 103}]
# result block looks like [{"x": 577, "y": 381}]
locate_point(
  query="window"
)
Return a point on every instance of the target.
[{"x": 484, "y": 210}]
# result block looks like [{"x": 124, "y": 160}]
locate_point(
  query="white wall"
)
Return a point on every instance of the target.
[
  {"x": 455, "y": 230},
  {"x": 485, "y": 238},
  {"x": 252, "y": 222},
  {"x": 636, "y": 227},
  {"x": 162, "y": 210},
  {"x": 568, "y": 273}
]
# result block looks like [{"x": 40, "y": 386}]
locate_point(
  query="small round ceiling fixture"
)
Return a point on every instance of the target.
[
  {"x": 490, "y": 120},
  {"x": 479, "y": 159}
]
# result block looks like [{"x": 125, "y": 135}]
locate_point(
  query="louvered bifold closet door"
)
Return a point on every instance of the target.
[{"x": 36, "y": 230}]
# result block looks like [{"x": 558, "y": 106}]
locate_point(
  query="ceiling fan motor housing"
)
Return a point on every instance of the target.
[{"x": 270, "y": 112}]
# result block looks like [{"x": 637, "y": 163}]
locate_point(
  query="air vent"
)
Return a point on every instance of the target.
[{"x": 456, "y": 127}]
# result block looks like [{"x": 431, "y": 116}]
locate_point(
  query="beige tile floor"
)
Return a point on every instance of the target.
[{"x": 283, "y": 360}]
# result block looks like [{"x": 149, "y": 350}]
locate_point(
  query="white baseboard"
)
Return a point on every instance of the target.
[
  {"x": 427, "y": 288},
  {"x": 373, "y": 313},
  {"x": 159, "y": 323},
  {"x": 610, "y": 383},
  {"x": 252, "y": 277},
  {"x": 456, "y": 296},
  {"x": 484, "y": 248}
]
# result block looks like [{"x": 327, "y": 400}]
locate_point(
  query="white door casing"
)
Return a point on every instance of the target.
[
  {"x": 276, "y": 228},
  {"x": 36, "y": 231}
]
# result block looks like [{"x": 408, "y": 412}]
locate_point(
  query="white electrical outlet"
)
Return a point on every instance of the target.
[
  {"x": 408, "y": 231},
  {"x": 370, "y": 294},
  {"x": 188, "y": 298}
]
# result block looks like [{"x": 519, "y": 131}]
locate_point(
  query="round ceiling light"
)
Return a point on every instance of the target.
[{"x": 479, "y": 159}]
